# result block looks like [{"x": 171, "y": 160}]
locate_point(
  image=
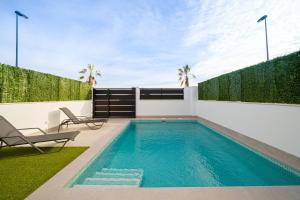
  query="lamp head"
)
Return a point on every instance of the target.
[
  {"x": 262, "y": 18},
  {"x": 21, "y": 15}
]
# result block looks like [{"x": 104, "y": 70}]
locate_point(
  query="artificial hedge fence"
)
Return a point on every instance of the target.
[
  {"x": 23, "y": 85},
  {"x": 275, "y": 81}
]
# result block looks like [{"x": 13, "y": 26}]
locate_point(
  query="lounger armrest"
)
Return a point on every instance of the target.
[
  {"x": 33, "y": 129},
  {"x": 82, "y": 116}
]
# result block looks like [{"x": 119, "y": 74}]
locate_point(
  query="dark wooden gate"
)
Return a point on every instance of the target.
[{"x": 113, "y": 102}]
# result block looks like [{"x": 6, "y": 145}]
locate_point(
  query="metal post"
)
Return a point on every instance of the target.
[
  {"x": 16, "y": 40},
  {"x": 267, "y": 39},
  {"x": 264, "y": 18},
  {"x": 17, "y": 27}
]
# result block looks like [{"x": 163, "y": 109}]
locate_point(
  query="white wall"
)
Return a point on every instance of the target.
[
  {"x": 165, "y": 107},
  {"x": 192, "y": 98},
  {"x": 44, "y": 115},
  {"x": 275, "y": 124}
]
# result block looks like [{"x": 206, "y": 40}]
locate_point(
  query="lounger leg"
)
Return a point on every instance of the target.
[
  {"x": 90, "y": 126},
  {"x": 63, "y": 146},
  {"x": 60, "y": 148},
  {"x": 37, "y": 148},
  {"x": 100, "y": 125},
  {"x": 59, "y": 127},
  {"x": 95, "y": 125}
]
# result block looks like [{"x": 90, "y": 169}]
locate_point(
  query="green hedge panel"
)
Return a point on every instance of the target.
[
  {"x": 275, "y": 81},
  {"x": 287, "y": 73},
  {"x": 42, "y": 87},
  {"x": 64, "y": 89},
  {"x": 270, "y": 91},
  {"x": 224, "y": 87},
  {"x": 234, "y": 85},
  {"x": 252, "y": 84},
  {"x": 17, "y": 82},
  {"x": 22, "y": 85},
  {"x": 212, "y": 89},
  {"x": 84, "y": 91},
  {"x": 201, "y": 91}
]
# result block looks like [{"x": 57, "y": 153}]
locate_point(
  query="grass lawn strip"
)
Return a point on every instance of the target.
[{"x": 23, "y": 169}]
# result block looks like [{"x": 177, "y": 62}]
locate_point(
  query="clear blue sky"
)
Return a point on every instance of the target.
[{"x": 143, "y": 42}]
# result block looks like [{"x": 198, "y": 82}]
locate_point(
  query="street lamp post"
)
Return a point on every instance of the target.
[
  {"x": 265, "y": 19},
  {"x": 17, "y": 15}
]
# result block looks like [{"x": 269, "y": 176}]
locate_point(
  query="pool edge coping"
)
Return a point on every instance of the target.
[{"x": 56, "y": 186}]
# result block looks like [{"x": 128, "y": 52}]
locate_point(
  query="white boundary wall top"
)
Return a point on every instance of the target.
[{"x": 44, "y": 115}]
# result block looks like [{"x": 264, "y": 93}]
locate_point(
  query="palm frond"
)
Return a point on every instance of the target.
[
  {"x": 184, "y": 75},
  {"x": 186, "y": 69},
  {"x": 83, "y": 71},
  {"x": 98, "y": 73}
]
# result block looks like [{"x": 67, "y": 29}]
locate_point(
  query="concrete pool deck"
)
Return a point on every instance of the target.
[{"x": 97, "y": 140}]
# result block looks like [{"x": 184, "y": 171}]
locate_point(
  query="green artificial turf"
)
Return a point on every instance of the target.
[{"x": 23, "y": 169}]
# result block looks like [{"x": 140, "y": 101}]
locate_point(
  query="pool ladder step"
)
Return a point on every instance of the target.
[{"x": 115, "y": 177}]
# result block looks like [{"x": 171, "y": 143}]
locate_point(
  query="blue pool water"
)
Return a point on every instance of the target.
[{"x": 185, "y": 154}]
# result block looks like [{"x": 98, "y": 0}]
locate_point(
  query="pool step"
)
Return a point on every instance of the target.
[
  {"x": 115, "y": 177},
  {"x": 127, "y": 182},
  {"x": 114, "y": 170}
]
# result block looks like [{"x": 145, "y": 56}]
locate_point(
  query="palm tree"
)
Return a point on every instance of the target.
[
  {"x": 91, "y": 78},
  {"x": 184, "y": 74}
]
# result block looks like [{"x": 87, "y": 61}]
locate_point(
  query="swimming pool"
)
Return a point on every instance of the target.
[{"x": 180, "y": 153}]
